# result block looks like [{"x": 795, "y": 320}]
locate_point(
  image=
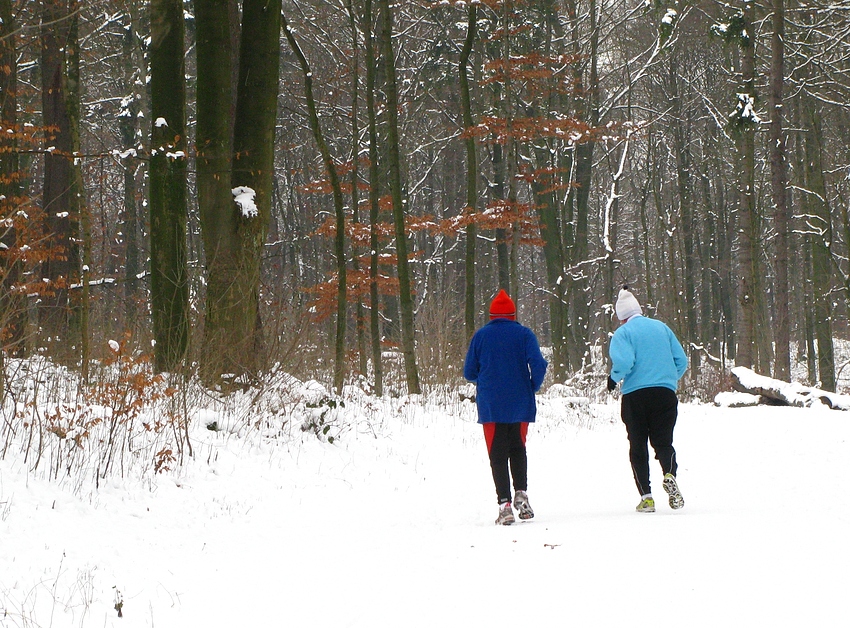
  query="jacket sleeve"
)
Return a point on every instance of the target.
[
  {"x": 536, "y": 362},
  {"x": 622, "y": 355},
  {"x": 680, "y": 358},
  {"x": 470, "y": 365}
]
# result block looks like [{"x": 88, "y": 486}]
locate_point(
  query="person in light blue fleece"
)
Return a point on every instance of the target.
[{"x": 649, "y": 360}]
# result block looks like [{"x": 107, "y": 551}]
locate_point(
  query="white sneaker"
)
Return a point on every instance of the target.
[
  {"x": 523, "y": 507},
  {"x": 672, "y": 488},
  {"x": 506, "y": 515}
]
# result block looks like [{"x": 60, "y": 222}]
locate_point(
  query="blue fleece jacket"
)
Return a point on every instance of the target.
[
  {"x": 646, "y": 353},
  {"x": 505, "y": 362}
]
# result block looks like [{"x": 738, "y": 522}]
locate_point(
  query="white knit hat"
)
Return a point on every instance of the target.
[{"x": 627, "y": 305}]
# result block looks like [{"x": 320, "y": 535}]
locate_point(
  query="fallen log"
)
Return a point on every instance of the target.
[{"x": 777, "y": 392}]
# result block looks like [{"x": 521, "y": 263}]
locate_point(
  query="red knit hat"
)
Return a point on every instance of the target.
[{"x": 503, "y": 306}]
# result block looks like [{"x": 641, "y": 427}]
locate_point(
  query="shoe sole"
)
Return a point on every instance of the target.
[
  {"x": 525, "y": 512},
  {"x": 646, "y": 509},
  {"x": 522, "y": 507},
  {"x": 672, "y": 488}
]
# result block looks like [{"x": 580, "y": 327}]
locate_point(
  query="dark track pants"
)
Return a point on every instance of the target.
[
  {"x": 506, "y": 447},
  {"x": 650, "y": 414}
]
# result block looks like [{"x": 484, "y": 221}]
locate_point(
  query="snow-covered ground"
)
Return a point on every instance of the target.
[{"x": 392, "y": 525}]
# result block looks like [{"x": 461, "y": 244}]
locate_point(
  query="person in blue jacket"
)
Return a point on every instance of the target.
[
  {"x": 649, "y": 360},
  {"x": 505, "y": 363}
]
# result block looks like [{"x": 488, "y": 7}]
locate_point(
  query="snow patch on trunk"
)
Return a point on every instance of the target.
[{"x": 244, "y": 197}]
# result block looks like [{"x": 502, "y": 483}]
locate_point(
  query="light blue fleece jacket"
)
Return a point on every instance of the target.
[{"x": 646, "y": 353}]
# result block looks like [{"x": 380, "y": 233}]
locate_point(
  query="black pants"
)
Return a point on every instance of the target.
[
  {"x": 650, "y": 414},
  {"x": 506, "y": 447}
]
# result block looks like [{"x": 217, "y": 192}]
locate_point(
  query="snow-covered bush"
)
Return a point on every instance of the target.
[{"x": 125, "y": 417}]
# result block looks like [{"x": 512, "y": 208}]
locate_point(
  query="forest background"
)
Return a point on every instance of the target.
[{"x": 337, "y": 188}]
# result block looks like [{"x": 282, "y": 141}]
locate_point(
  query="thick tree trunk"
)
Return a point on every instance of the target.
[
  {"x": 253, "y": 169},
  {"x": 553, "y": 255},
  {"x": 215, "y": 199},
  {"x": 77, "y": 206},
  {"x": 408, "y": 342},
  {"x": 168, "y": 215},
  {"x": 587, "y": 111},
  {"x": 61, "y": 269}
]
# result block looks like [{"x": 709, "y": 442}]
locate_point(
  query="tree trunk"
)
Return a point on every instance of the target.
[
  {"x": 725, "y": 238},
  {"x": 128, "y": 125},
  {"x": 821, "y": 222},
  {"x": 646, "y": 190},
  {"x": 374, "y": 199},
  {"x": 77, "y": 206},
  {"x": 502, "y": 256},
  {"x": 611, "y": 219},
  {"x": 399, "y": 206},
  {"x": 168, "y": 214},
  {"x": 215, "y": 199},
  {"x": 471, "y": 171},
  {"x": 747, "y": 218},
  {"x": 339, "y": 241},
  {"x": 253, "y": 170},
  {"x": 808, "y": 313},
  {"x": 61, "y": 268},
  {"x": 782, "y": 218},
  {"x": 10, "y": 186},
  {"x": 587, "y": 110},
  {"x": 553, "y": 255},
  {"x": 12, "y": 302},
  {"x": 681, "y": 139},
  {"x": 510, "y": 154},
  {"x": 778, "y": 392},
  {"x": 710, "y": 311},
  {"x": 355, "y": 179}
]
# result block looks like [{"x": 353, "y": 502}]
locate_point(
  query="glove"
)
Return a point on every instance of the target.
[{"x": 611, "y": 384}]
